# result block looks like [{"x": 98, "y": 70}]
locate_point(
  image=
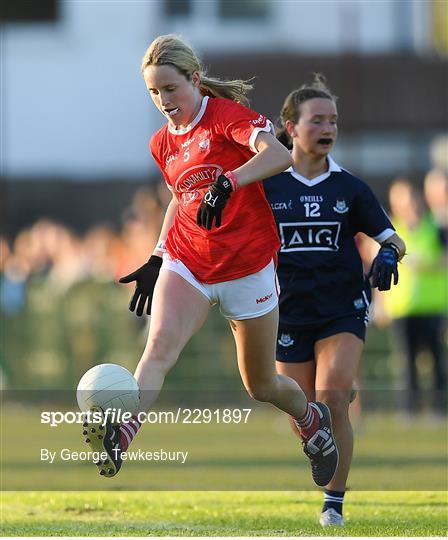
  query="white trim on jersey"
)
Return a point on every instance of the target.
[
  {"x": 253, "y": 136},
  {"x": 196, "y": 119},
  {"x": 333, "y": 167},
  {"x": 383, "y": 236}
]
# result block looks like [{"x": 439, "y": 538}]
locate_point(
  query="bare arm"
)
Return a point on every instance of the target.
[
  {"x": 168, "y": 221},
  {"x": 272, "y": 158}
]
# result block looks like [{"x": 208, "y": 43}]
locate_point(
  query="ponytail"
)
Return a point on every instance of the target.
[{"x": 235, "y": 90}]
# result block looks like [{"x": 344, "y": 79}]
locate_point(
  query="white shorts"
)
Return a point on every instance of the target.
[{"x": 238, "y": 299}]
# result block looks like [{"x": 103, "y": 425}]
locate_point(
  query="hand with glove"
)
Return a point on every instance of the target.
[
  {"x": 145, "y": 278},
  {"x": 384, "y": 266},
  {"x": 215, "y": 200}
]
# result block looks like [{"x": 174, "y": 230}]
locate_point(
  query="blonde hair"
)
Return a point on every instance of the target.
[
  {"x": 171, "y": 50},
  {"x": 291, "y": 106}
]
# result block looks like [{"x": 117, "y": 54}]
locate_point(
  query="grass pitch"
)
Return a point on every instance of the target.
[{"x": 219, "y": 514}]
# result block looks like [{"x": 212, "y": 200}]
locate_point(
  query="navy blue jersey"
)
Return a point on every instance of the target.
[{"x": 319, "y": 268}]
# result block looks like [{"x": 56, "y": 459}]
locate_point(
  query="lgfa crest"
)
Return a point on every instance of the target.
[
  {"x": 285, "y": 340},
  {"x": 341, "y": 206}
]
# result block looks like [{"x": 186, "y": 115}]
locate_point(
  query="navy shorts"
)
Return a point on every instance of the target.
[{"x": 296, "y": 346}]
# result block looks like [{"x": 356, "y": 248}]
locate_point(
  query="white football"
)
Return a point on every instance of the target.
[{"x": 108, "y": 386}]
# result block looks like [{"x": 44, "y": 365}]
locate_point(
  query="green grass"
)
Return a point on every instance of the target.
[{"x": 218, "y": 514}]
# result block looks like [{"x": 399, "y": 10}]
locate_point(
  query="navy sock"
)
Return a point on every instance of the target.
[{"x": 333, "y": 499}]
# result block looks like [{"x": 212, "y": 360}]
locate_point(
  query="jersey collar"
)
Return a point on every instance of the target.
[
  {"x": 194, "y": 122},
  {"x": 333, "y": 167}
]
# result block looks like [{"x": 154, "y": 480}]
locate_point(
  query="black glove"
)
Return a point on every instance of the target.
[
  {"x": 384, "y": 265},
  {"x": 146, "y": 277},
  {"x": 213, "y": 203}
]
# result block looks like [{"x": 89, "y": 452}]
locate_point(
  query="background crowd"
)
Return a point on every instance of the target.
[{"x": 49, "y": 250}]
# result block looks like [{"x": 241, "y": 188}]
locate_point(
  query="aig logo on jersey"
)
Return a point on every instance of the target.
[{"x": 310, "y": 236}]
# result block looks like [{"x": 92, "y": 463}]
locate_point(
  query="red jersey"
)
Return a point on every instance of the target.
[{"x": 220, "y": 138}]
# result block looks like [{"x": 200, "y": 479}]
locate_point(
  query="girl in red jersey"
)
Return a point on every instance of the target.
[{"x": 217, "y": 245}]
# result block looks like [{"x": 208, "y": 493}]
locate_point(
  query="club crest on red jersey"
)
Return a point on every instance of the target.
[{"x": 204, "y": 140}]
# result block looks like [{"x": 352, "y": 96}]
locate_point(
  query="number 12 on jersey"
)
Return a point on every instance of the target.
[{"x": 312, "y": 209}]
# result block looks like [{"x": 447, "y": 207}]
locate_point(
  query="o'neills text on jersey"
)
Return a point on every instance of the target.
[{"x": 311, "y": 198}]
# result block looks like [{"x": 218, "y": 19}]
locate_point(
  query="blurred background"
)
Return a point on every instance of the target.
[{"x": 82, "y": 200}]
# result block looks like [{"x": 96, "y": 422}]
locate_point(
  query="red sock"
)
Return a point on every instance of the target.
[
  {"x": 128, "y": 431},
  {"x": 309, "y": 423}
]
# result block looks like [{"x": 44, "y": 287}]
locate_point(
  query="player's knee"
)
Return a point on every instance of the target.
[
  {"x": 161, "y": 351},
  {"x": 260, "y": 391},
  {"x": 338, "y": 402}
]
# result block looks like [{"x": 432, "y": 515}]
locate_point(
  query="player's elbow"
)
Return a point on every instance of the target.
[
  {"x": 280, "y": 159},
  {"x": 277, "y": 155},
  {"x": 286, "y": 157}
]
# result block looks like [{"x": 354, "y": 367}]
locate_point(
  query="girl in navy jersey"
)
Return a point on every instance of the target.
[
  {"x": 319, "y": 207},
  {"x": 217, "y": 245}
]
